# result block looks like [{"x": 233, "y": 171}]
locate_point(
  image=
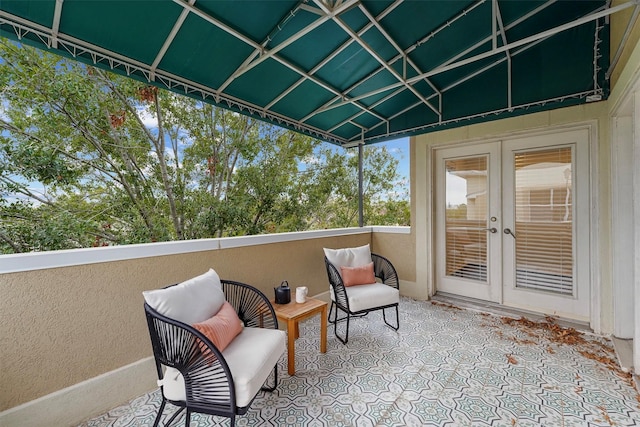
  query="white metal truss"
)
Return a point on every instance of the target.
[
  {"x": 331, "y": 10},
  {"x": 78, "y": 48},
  {"x": 261, "y": 53}
]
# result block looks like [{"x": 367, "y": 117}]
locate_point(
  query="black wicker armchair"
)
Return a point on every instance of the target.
[
  {"x": 195, "y": 375},
  {"x": 357, "y": 301}
]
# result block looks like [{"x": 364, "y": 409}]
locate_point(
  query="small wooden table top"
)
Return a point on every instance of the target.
[{"x": 294, "y": 312}]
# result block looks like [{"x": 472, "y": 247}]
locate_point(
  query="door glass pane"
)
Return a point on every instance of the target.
[
  {"x": 544, "y": 220},
  {"x": 466, "y": 218}
]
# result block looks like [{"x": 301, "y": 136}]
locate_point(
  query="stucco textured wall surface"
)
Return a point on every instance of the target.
[{"x": 61, "y": 326}]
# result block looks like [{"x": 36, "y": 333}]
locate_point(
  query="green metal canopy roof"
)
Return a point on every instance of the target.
[{"x": 344, "y": 71}]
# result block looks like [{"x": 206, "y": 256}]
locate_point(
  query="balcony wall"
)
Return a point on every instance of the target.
[{"x": 73, "y": 320}]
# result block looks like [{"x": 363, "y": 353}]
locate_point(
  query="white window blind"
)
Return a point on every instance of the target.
[
  {"x": 466, "y": 218},
  {"x": 544, "y": 220}
]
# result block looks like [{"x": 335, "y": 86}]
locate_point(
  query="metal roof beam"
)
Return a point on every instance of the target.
[
  {"x": 526, "y": 40},
  {"x": 76, "y": 47},
  {"x": 503, "y": 34},
  {"x": 526, "y": 106},
  {"x": 167, "y": 42},
  {"x": 375, "y": 55},
  {"x": 266, "y": 54},
  {"x": 329, "y": 105},
  {"x": 386, "y": 98},
  {"x": 342, "y": 95},
  {"x": 55, "y": 25},
  {"x": 258, "y": 48},
  {"x": 403, "y": 55},
  {"x": 449, "y": 65}
]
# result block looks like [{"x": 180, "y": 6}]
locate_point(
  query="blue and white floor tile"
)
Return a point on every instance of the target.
[{"x": 444, "y": 367}]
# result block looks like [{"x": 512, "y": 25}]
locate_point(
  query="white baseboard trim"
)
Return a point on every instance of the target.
[{"x": 75, "y": 404}]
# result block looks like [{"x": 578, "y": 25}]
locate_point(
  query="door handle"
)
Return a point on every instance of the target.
[
  {"x": 492, "y": 229},
  {"x": 508, "y": 231}
]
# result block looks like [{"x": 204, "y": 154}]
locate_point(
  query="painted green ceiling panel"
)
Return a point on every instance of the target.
[
  {"x": 454, "y": 40},
  {"x": 307, "y": 54},
  {"x": 485, "y": 92},
  {"x": 552, "y": 16},
  {"x": 366, "y": 120},
  {"x": 354, "y": 19},
  {"x": 330, "y": 118},
  {"x": 375, "y": 40},
  {"x": 348, "y": 67},
  {"x": 382, "y": 78},
  {"x": 35, "y": 11},
  {"x": 373, "y": 99},
  {"x": 413, "y": 21},
  {"x": 541, "y": 72},
  {"x": 113, "y": 28},
  {"x": 256, "y": 19},
  {"x": 284, "y": 61},
  {"x": 347, "y": 130},
  {"x": 405, "y": 98},
  {"x": 298, "y": 104},
  {"x": 452, "y": 77},
  {"x": 251, "y": 87},
  {"x": 213, "y": 55}
]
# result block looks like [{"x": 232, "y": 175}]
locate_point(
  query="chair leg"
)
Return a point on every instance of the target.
[
  {"x": 187, "y": 422},
  {"x": 157, "y": 421},
  {"x": 275, "y": 380},
  {"x": 395, "y": 328},
  {"x": 335, "y": 327},
  {"x": 331, "y": 311},
  {"x": 173, "y": 417},
  {"x": 336, "y": 320}
]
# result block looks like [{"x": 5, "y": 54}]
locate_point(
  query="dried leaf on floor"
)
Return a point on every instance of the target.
[
  {"x": 512, "y": 359},
  {"x": 606, "y": 416},
  {"x": 445, "y": 305}
]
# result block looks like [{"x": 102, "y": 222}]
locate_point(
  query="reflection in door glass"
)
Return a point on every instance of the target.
[
  {"x": 544, "y": 220},
  {"x": 466, "y": 218}
]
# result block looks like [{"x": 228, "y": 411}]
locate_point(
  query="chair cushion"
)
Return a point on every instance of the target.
[
  {"x": 348, "y": 257},
  {"x": 191, "y": 301},
  {"x": 366, "y": 297},
  {"x": 353, "y": 276},
  {"x": 221, "y": 329},
  {"x": 251, "y": 357}
]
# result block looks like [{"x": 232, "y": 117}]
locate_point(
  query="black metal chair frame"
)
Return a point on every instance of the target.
[
  {"x": 208, "y": 381},
  {"x": 383, "y": 270}
]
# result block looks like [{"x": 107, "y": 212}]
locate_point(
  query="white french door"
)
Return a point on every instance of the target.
[
  {"x": 467, "y": 223},
  {"x": 512, "y": 222},
  {"x": 546, "y": 205}
]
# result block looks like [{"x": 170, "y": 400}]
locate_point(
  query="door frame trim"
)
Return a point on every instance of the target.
[{"x": 425, "y": 204}]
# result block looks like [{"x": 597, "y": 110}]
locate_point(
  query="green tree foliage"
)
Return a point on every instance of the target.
[{"x": 89, "y": 158}]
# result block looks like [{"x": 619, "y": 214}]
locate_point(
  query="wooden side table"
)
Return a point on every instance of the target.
[{"x": 292, "y": 313}]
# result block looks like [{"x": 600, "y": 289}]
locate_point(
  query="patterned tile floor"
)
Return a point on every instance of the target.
[{"x": 444, "y": 367}]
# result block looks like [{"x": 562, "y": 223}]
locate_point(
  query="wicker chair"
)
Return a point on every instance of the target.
[
  {"x": 357, "y": 301},
  {"x": 194, "y": 375}
]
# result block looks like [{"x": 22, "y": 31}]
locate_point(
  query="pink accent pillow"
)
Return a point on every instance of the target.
[
  {"x": 352, "y": 276},
  {"x": 222, "y": 328}
]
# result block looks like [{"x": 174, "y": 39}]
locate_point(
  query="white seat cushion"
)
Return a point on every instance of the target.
[
  {"x": 251, "y": 357},
  {"x": 364, "y": 297}
]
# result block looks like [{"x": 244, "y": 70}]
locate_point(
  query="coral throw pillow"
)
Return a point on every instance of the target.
[
  {"x": 352, "y": 276},
  {"x": 222, "y": 328}
]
